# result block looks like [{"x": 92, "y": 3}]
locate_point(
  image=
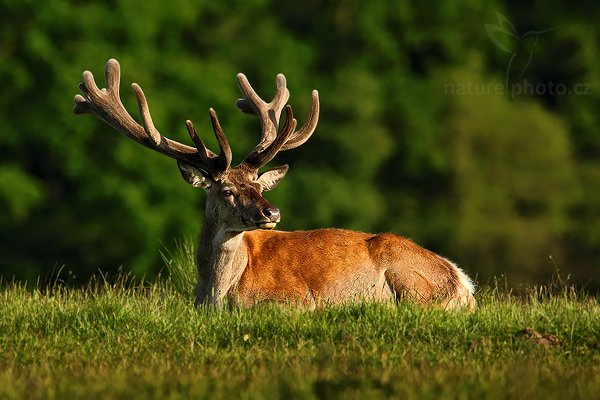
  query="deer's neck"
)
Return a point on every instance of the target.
[{"x": 221, "y": 259}]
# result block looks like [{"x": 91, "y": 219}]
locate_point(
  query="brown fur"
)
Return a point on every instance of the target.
[{"x": 330, "y": 266}]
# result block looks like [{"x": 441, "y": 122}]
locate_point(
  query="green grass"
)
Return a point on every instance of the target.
[{"x": 122, "y": 340}]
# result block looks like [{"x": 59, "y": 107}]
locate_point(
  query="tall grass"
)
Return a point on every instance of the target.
[
  {"x": 181, "y": 266},
  {"x": 122, "y": 339}
]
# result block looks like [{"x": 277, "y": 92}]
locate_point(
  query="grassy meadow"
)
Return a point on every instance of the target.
[{"x": 120, "y": 339}]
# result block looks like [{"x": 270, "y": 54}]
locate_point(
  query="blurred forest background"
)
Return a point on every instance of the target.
[{"x": 471, "y": 127}]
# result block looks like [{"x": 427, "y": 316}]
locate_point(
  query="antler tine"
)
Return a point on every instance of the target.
[
  {"x": 112, "y": 76},
  {"x": 268, "y": 113},
  {"x": 217, "y": 162},
  {"x": 151, "y": 132},
  {"x": 202, "y": 149},
  {"x": 257, "y": 159},
  {"x": 224, "y": 159},
  {"x": 106, "y": 104},
  {"x": 303, "y": 134},
  {"x": 207, "y": 156}
]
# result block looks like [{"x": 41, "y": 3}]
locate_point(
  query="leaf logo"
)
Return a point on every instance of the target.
[{"x": 521, "y": 47}]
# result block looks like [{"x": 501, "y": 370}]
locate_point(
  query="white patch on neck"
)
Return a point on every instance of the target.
[{"x": 228, "y": 269}]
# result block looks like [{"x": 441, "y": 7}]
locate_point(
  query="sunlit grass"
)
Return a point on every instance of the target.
[{"x": 124, "y": 339}]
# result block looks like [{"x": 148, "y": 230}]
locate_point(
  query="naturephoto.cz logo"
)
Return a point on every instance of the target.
[{"x": 520, "y": 49}]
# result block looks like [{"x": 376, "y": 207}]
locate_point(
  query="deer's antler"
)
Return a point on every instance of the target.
[
  {"x": 269, "y": 115},
  {"x": 106, "y": 105}
]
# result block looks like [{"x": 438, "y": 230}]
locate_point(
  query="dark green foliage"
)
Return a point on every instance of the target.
[{"x": 496, "y": 181}]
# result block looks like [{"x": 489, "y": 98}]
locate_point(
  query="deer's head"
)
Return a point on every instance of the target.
[{"x": 235, "y": 194}]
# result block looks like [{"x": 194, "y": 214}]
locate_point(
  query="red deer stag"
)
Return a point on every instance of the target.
[{"x": 241, "y": 260}]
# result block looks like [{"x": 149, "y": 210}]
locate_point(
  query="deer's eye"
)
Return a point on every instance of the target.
[{"x": 227, "y": 193}]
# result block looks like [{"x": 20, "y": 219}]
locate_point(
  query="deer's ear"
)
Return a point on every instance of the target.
[
  {"x": 193, "y": 176},
  {"x": 269, "y": 179}
]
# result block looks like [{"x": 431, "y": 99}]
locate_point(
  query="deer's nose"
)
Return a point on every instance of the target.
[{"x": 271, "y": 213}]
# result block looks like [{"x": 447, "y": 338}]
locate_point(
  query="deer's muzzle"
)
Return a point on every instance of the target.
[{"x": 269, "y": 217}]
